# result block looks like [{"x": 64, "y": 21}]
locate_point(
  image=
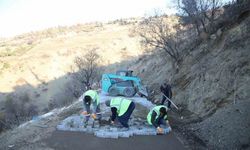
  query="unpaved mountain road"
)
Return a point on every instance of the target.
[
  {"x": 43, "y": 135},
  {"x": 39, "y": 138},
  {"x": 65, "y": 140}
]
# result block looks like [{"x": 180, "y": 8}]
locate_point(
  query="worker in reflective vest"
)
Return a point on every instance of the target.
[
  {"x": 89, "y": 98},
  {"x": 157, "y": 117},
  {"x": 122, "y": 109}
]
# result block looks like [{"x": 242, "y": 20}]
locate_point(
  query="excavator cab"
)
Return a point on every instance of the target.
[
  {"x": 128, "y": 73},
  {"x": 122, "y": 83}
]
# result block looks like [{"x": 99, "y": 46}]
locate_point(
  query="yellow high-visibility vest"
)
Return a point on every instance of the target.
[
  {"x": 157, "y": 110},
  {"x": 121, "y": 104}
]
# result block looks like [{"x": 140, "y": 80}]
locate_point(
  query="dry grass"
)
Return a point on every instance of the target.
[{"x": 46, "y": 57}]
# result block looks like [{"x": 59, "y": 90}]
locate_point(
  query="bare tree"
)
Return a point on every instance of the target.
[
  {"x": 158, "y": 33},
  {"x": 201, "y": 13},
  {"x": 86, "y": 70}
]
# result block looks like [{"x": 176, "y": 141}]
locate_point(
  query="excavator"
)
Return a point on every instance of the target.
[{"x": 123, "y": 83}]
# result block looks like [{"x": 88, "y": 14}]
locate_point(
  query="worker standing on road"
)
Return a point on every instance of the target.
[
  {"x": 157, "y": 117},
  {"x": 91, "y": 97},
  {"x": 167, "y": 92},
  {"x": 122, "y": 109}
]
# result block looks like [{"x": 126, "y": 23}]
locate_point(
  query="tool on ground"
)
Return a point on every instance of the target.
[{"x": 171, "y": 101}]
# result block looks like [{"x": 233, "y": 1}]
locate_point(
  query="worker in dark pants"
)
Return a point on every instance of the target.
[
  {"x": 122, "y": 109},
  {"x": 89, "y": 98},
  {"x": 166, "y": 90},
  {"x": 157, "y": 117}
]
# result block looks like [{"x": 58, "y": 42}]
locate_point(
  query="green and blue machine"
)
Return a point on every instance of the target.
[{"x": 123, "y": 83}]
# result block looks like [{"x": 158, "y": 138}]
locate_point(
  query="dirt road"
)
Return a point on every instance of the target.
[
  {"x": 65, "y": 140},
  {"x": 43, "y": 135}
]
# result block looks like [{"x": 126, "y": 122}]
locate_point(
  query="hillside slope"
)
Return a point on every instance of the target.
[
  {"x": 40, "y": 67},
  {"x": 213, "y": 84},
  {"x": 211, "y": 87}
]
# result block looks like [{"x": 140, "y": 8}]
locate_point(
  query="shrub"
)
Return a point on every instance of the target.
[
  {"x": 3, "y": 125},
  {"x": 61, "y": 99},
  {"x": 19, "y": 108}
]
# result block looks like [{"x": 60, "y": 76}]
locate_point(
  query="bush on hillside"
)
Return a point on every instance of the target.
[
  {"x": 61, "y": 99},
  {"x": 3, "y": 125},
  {"x": 74, "y": 87},
  {"x": 234, "y": 13},
  {"x": 202, "y": 14},
  {"x": 19, "y": 108},
  {"x": 208, "y": 16}
]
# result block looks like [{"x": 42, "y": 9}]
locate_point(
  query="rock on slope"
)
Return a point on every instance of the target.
[{"x": 213, "y": 83}]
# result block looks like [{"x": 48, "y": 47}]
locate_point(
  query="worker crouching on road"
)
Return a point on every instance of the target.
[
  {"x": 91, "y": 97},
  {"x": 122, "y": 109},
  {"x": 157, "y": 117}
]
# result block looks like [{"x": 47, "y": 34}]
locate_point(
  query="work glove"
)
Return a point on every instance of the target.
[
  {"x": 159, "y": 130},
  {"x": 93, "y": 116},
  {"x": 84, "y": 113}
]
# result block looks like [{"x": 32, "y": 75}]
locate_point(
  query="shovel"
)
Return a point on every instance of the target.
[{"x": 171, "y": 101}]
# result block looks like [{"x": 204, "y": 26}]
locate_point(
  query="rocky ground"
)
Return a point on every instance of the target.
[
  {"x": 212, "y": 86},
  {"x": 137, "y": 125},
  {"x": 42, "y": 133}
]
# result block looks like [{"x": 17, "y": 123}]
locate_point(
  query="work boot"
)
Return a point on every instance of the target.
[{"x": 85, "y": 124}]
